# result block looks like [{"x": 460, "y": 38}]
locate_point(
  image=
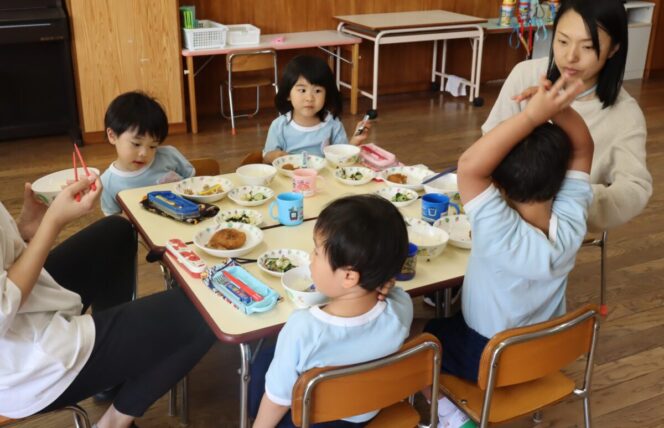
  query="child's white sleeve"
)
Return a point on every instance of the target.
[
  {"x": 283, "y": 372},
  {"x": 109, "y": 205},
  {"x": 338, "y": 132},
  {"x": 182, "y": 166}
]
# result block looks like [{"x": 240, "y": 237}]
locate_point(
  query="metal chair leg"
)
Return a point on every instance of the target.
[
  {"x": 81, "y": 419},
  {"x": 184, "y": 402},
  {"x": 603, "y": 308},
  {"x": 537, "y": 417}
]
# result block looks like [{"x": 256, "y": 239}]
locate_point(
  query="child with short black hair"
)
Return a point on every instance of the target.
[
  {"x": 360, "y": 243},
  {"x": 526, "y": 189},
  {"x": 136, "y": 125},
  {"x": 310, "y": 105}
]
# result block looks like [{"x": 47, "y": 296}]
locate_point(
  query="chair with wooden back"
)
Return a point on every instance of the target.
[
  {"x": 81, "y": 419},
  {"x": 252, "y": 157},
  {"x": 332, "y": 393},
  {"x": 519, "y": 371},
  {"x": 248, "y": 69},
  {"x": 205, "y": 166}
]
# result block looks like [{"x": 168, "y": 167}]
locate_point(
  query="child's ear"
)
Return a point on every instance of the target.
[
  {"x": 111, "y": 136},
  {"x": 351, "y": 278}
]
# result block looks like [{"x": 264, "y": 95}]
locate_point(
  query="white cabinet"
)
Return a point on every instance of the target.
[{"x": 639, "y": 17}]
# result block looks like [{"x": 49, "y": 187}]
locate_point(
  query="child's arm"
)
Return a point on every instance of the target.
[
  {"x": 479, "y": 161},
  {"x": 269, "y": 157},
  {"x": 579, "y": 135},
  {"x": 269, "y": 414},
  {"x": 356, "y": 140}
]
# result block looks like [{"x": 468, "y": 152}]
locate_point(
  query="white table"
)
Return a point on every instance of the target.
[{"x": 417, "y": 26}]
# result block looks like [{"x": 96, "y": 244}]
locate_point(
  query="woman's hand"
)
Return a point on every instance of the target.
[
  {"x": 66, "y": 207},
  {"x": 31, "y": 214}
]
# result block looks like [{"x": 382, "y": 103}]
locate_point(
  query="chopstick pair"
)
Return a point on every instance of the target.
[{"x": 74, "y": 154}]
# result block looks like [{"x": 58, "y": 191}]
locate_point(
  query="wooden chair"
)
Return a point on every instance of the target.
[
  {"x": 81, "y": 419},
  {"x": 331, "y": 393},
  {"x": 205, "y": 166},
  {"x": 520, "y": 373},
  {"x": 247, "y": 70},
  {"x": 253, "y": 157},
  {"x": 601, "y": 244}
]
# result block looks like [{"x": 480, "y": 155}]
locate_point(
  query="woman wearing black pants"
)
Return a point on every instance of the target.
[{"x": 50, "y": 354}]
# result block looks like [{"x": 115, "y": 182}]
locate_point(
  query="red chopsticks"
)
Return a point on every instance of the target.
[
  {"x": 244, "y": 287},
  {"x": 73, "y": 158},
  {"x": 85, "y": 167}
]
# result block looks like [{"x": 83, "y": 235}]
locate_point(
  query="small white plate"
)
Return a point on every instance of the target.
[
  {"x": 390, "y": 193},
  {"x": 239, "y": 215},
  {"x": 315, "y": 162},
  {"x": 297, "y": 258},
  {"x": 414, "y": 176},
  {"x": 344, "y": 174},
  {"x": 458, "y": 227},
  {"x": 254, "y": 237},
  {"x": 191, "y": 188},
  {"x": 246, "y": 195}
]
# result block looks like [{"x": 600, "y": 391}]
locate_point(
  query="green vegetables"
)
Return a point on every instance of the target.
[
  {"x": 279, "y": 264},
  {"x": 252, "y": 197},
  {"x": 243, "y": 218},
  {"x": 401, "y": 197},
  {"x": 356, "y": 176}
]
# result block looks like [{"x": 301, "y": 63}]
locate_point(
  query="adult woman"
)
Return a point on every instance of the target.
[
  {"x": 590, "y": 42},
  {"x": 51, "y": 354}
]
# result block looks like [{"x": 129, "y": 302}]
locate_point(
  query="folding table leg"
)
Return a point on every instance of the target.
[{"x": 245, "y": 355}]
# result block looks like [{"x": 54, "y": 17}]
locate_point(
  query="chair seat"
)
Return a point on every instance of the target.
[
  {"x": 250, "y": 82},
  {"x": 508, "y": 402},
  {"x": 5, "y": 420},
  {"x": 399, "y": 415}
]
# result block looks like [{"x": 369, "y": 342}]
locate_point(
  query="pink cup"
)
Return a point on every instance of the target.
[{"x": 304, "y": 181}]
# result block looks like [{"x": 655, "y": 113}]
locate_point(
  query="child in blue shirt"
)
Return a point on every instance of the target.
[
  {"x": 136, "y": 125},
  {"x": 360, "y": 243},
  {"x": 525, "y": 186},
  {"x": 310, "y": 105}
]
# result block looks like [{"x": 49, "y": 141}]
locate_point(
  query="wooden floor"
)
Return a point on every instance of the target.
[{"x": 628, "y": 382}]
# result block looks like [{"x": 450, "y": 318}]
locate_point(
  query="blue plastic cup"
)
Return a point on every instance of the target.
[
  {"x": 290, "y": 208},
  {"x": 435, "y": 205}
]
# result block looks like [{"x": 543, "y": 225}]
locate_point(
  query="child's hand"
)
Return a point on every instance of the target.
[
  {"x": 360, "y": 138},
  {"x": 551, "y": 99},
  {"x": 66, "y": 208},
  {"x": 31, "y": 214},
  {"x": 384, "y": 290}
]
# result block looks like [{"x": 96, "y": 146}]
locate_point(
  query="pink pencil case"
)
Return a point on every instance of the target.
[{"x": 376, "y": 157}]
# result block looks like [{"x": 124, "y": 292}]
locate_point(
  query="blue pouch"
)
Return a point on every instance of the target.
[
  {"x": 221, "y": 285},
  {"x": 173, "y": 205}
]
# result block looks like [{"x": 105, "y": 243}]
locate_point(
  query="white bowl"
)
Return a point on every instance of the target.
[
  {"x": 191, "y": 188},
  {"x": 343, "y": 175},
  {"x": 295, "y": 281},
  {"x": 243, "y": 195},
  {"x": 254, "y": 237},
  {"x": 430, "y": 241},
  {"x": 315, "y": 162},
  {"x": 239, "y": 215},
  {"x": 447, "y": 185},
  {"x": 256, "y": 174},
  {"x": 296, "y": 258},
  {"x": 414, "y": 176},
  {"x": 341, "y": 154},
  {"x": 49, "y": 186},
  {"x": 457, "y": 227},
  {"x": 390, "y": 193}
]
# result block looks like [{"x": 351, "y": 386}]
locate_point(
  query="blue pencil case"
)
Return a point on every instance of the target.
[
  {"x": 224, "y": 286},
  {"x": 173, "y": 205}
]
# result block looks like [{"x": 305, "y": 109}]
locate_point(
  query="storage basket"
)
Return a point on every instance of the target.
[
  {"x": 243, "y": 34},
  {"x": 207, "y": 35}
]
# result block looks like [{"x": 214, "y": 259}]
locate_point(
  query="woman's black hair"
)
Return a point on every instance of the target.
[
  {"x": 137, "y": 111},
  {"x": 534, "y": 169},
  {"x": 317, "y": 72},
  {"x": 609, "y": 15},
  {"x": 366, "y": 234}
]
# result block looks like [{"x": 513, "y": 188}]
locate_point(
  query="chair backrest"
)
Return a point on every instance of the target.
[
  {"x": 205, "y": 166},
  {"x": 253, "y": 157},
  {"x": 526, "y": 353},
  {"x": 265, "y": 59},
  {"x": 331, "y": 393}
]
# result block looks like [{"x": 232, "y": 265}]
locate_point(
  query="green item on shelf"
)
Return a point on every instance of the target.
[{"x": 188, "y": 16}]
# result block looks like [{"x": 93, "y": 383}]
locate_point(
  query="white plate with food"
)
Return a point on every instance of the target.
[
  {"x": 354, "y": 175},
  {"x": 458, "y": 227},
  {"x": 341, "y": 154},
  {"x": 239, "y": 215},
  {"x": 289, "y": 163},
  {"x": 205, "y": 189},
  {"x": 410, "y": 177},
  {"x": 49, "y": 186},
  {"x": 399, "y": 196},
  {"x": 430, "y": 241},
  {"x": 250, "y": 196},
  {"x": 228, "y": 239},
  {"x": 278, "y": 262}
]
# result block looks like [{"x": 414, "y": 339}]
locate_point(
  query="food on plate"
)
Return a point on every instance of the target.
[
  {"x": 289, "y": 167},
  {"x": 356, "y": 176},
  {"x": 227, "y": 239},
  {"x": 253, "y": 197},
  {"x": 241, "y": 218},
  {"x": 207, "y": 190},
  {"x": 279, "y": 264},
  {"x": 401, "y": 197},
  {"x": 398, "y": 178}
]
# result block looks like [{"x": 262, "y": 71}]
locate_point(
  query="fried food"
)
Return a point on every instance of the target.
[
  {"x": 398, "y": 178},
  {"x": 227, "y": 239},
  {"x": 288, "y": 167}
]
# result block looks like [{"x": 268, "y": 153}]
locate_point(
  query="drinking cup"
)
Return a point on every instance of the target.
[
  {"x": 408, "y": 269},
  {"x": 435, "y": 205},
  {"x": 305, "y": 180},
  {"x": 290, "y": 208}
]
